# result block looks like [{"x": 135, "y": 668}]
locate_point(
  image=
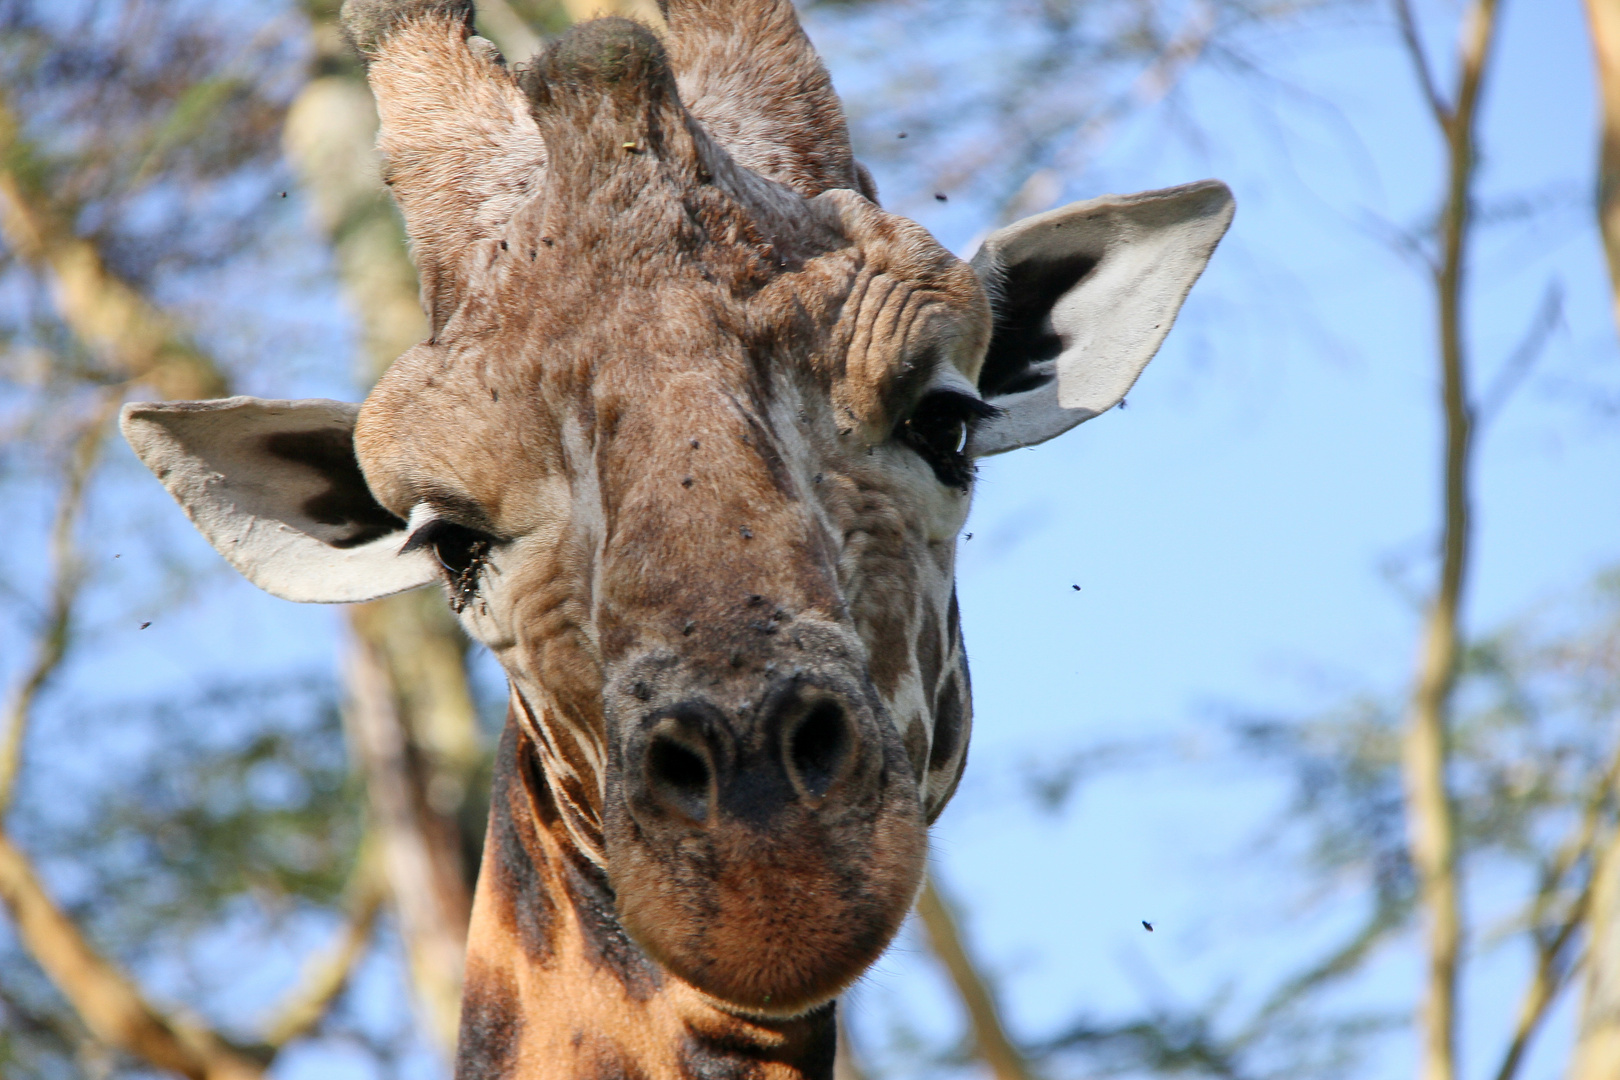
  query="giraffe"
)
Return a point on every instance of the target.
[{"x": 689, "y": 448}]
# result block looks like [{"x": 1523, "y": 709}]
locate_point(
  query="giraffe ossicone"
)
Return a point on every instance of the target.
[{"x": 690, "y": 446}]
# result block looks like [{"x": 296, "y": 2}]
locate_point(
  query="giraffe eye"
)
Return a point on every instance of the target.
[
  {"x": 938, "y": 430},
  {"x": 462, "y": 555}
]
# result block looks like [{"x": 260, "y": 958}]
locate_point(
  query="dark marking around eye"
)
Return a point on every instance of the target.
[
  {"x": 1023, "y": 334},
  {"x": 347, "y": 503},
  {"x": 938, "y": 430},
  {"x": 462, "y": 553}
]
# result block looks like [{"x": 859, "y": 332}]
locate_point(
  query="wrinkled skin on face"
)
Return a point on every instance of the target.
[{"x": 663, "y": 444}]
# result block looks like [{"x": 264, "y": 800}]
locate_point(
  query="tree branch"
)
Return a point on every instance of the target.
[
  {"x": 1550, "y": 977},
  {"x": 1597, "y": 1043},
  {"x": 105, "y": 999},
  {"x": 66, "y": 578},
  {"x": 1430, "y": 812},
  {"x": 1420, "y": 64},
  {"x": 327, "y": 973},
  {"x": 1524, "y": 356},
  {"x": 411, "y": 724},
  {"x": 118, "y": 325},
  {"x": 989, "y": 1035},
  {"x": 428, "y": 891},
  {"x": 1603, "y": 16}
]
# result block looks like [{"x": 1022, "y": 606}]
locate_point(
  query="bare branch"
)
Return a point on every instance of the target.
[
  {"x": 1552, "y": 974},
  {"x": 1430, "y": 812},
  {"x": 109, "y": 1004},
  {"x": 1443, "y": 114},
  {"x": 427, "y": 888},
  {"x": 1597, "y": 1043},
  {"x": 1604, "y": 19},
  {"x": 66, "y": 578},
  {"x": 327, "y": 973},
  {"x": 412, "y": 725},
  {"x": 989, "y": 1035},
  {"x": 1525, "y": 354}
]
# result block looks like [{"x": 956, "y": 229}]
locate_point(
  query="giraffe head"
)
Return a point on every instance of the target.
[{"x": 689, "y": 448}]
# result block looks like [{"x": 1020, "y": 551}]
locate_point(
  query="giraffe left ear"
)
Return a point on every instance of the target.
[
  {"x": 1083, "y": 296},
  {"x": 275, "y": 487}
]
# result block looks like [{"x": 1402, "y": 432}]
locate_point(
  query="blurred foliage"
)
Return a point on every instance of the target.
[
  {"x": 152, "y": 124},
  {"x": 234, "y": 821},
  {"x": 245, "y": 794},
  {"x": 1536, "y": 747}
]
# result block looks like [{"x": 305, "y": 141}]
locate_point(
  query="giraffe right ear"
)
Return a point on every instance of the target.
[
  {"x": 1083, "y": 296},
  {"x": 275, "y": 487}
]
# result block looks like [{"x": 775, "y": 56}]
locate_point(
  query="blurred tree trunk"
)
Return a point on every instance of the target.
[
  {"x": 1604, "y": 17},
  {"x": 412, "y": 724},
  {"x": 1597, "y": 1045}
]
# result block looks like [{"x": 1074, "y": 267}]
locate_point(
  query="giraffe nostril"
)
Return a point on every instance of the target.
[
  {"x": 819, "y": 746},
  {"x": 680, "y": 776}
]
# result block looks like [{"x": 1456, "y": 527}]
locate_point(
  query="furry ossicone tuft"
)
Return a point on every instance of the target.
[
  {"x": 614, "y": 56},
  {"x": 368, "y": 23}
]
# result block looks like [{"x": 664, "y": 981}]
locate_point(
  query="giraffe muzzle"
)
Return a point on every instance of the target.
[
  {"x": 697, "y": 769},
  {"x": 765, "y": 850}
]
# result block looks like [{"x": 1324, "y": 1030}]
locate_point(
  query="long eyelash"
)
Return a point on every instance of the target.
[
  {"x": 421, "y": 538},
  {"x": 462, "y": 577},
  {"x": 940, "y": 409},
  {"x": 976, "y": 409}
]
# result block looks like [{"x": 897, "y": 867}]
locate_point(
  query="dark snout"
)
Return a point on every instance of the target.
[
  {"x": 764, "y": 847},
  {"x": 692, "y": 765}
]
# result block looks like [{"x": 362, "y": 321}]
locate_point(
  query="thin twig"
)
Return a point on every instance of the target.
[
  {"x": 990, "y": 1039},
  {"x": 1519, "y": 362},
  {"x": 326, "y": 974},
  {"x": 1443, "y": 113},
  {"x": 67, "y": 576},
  {"x": 1549, "y": 977}
]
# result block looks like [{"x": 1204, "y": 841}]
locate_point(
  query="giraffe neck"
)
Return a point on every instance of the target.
[{"x": 555, "y": 988}]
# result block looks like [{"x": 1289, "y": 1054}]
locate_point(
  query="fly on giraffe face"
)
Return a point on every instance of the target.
[{"x": 689, "y": 446}]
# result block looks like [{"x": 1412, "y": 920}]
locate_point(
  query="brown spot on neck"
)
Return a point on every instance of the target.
[{"x": 557, "y": 990}]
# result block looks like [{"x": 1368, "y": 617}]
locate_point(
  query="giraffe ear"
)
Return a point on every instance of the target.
[
  {"x": 1083, "y": 296},
  {"x": 275, "y": 487}
]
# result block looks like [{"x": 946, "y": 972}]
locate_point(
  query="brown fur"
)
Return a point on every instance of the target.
[{"x": 673, "y": 342}]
